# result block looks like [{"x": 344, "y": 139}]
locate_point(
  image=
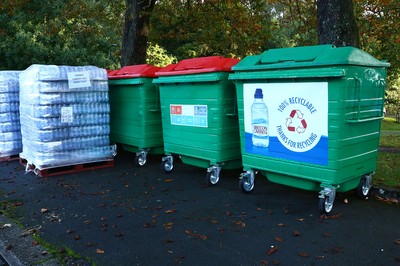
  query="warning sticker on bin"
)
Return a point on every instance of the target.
[{"x": 189, "y": 115}]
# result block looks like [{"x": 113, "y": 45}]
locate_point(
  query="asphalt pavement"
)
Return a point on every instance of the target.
[{"x": 128, "y": 215}]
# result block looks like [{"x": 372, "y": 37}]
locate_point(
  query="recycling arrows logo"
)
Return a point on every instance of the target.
[{"x": 296, "y": 122}]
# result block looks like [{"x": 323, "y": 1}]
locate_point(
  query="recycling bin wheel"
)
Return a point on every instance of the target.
[
  {"x": 364, "y": 187},
  {"x": 167, "y": 164},
  {"x": 325, "y": 204},
  {"x": 140, "y": 160},
  {"x": 246, "y": 182},
  {"x": 212, "y": 178}
]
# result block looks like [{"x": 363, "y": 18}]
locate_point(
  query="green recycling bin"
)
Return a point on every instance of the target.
[
  {"x": 310, "y": 118},
  {"x": 199, "y": 115},
  {"x": 135, "y": 115}
]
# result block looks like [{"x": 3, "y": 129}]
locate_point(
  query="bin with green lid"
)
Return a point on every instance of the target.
[
  {"x": 135, "y": 116},
  {"x": 199, "y": 115},
  {"x": 319, "y": 124}
]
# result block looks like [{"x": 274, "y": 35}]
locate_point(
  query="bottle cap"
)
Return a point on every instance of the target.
[{"x": 258, "y": 94}]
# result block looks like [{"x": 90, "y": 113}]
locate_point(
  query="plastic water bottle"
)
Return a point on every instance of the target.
[{"x": 259, "y": 120}]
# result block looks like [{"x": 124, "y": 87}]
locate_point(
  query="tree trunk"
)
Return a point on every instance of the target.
[
  {"x": 136, "y": 31},
  {"x": 337, "y": 24}
]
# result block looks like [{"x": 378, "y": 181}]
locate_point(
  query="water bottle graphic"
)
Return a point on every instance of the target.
[{"x": 259, "y": 121}]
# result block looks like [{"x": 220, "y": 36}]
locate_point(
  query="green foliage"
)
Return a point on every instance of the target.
[
  {"x": 379, "y": 33},
  {"x": 232, "y": 28},
  {"x": 202, "y": 28},
  {"x": 157, "y": 56},
  {"x": 59, "y": 32}
]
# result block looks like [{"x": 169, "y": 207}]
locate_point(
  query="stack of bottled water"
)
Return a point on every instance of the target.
[
  {"x": 65, "y": 115},
  {"x": 10, "y": 129}
]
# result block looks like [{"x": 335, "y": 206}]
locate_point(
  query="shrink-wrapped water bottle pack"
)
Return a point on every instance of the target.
[
  {"x": 10, "y": 133},
  {"x": 64, "y": 115}
]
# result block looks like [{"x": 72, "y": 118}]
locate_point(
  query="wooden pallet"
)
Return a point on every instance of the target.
[
  {"x": 69, "y": 169},
  {"x": 9, "y": 158}
]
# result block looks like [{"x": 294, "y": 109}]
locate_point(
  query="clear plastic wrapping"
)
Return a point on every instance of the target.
[
  {"x": 10, "y": 128},
  {"x": 64, "y": 98},
  {"x": 79, "y": 120},
  {"x": 63, "y": 110},
  {"x": 9, "y": 81},
  {"x": 59, "y": 134},
  {"x": 65, "y": 116}
]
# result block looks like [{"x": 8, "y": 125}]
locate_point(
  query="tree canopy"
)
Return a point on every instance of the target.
[
  {"x": 91, "y": 32},
  {"x": 58, "y": 32}
]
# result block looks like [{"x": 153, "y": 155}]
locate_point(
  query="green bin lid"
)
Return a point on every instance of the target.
[
  {"x": 199, "y": 65},
  {"x": 309, "y": 56},
  {"x": 134, "y": 71}
]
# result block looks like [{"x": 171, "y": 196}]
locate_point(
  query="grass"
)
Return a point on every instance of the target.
[
  {"x": 388, "y": 166},
  {"x": 64, "y": 255}
]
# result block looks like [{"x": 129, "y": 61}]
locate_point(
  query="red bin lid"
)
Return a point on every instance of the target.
[
  {"x": 199, "y": 65},
  {"x": 134, "y": 71}
]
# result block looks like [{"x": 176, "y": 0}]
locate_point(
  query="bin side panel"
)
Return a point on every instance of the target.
[
  {"x": 200, "y": 120},
  {"x": 355, "y": 105},
  {"x": 135, "y": 114}
]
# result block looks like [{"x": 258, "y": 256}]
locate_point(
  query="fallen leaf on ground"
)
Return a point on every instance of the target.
[
  {"x": 278, "y": 239},
  {"x": 11, "y": 192},
  {"x": 337, "y": 249},
  {"x": 300, "y": 219},
  {"x": 296, "y": 233},
  {"x": 44, "y": 210},
  {"x": 242, "y": 224},
  {"x": 303, "y": 255},
  {"x": 170, "y": 211},
  {"x": 100, "y": 251},
  {"x": 281, "y": 224},
  {"x": 190, "y": 233},
  {"x": 272, "y": 250},
  {"x": 87, "y": 222},
  {"x": 168, "y": 180},
  {"x": 44, "y": 253},
  {"x": 61, "y": 250},
  {"x": 168, "y": 225},
  {"x": 30, "y": 231},
  {"x": 214, "y": 221},
  {"x": 35, "y": 243},
  {"x": 327, "y": 235},
  {"x": 2, "y": 226},
  {"x": 333, "y": 216},
  {"x": 119, "y": 234},
  {"x": 397, "y": 241}
]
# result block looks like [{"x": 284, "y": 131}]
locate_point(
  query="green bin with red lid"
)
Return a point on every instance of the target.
[
  {"x": 135, "y": 116},
  {"x": 199, "y": 115}
]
